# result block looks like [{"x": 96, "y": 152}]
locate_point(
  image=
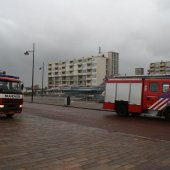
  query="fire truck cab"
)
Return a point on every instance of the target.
[
  {"x": 11, "y": 98},
  {"x": 138, "y": 95}
]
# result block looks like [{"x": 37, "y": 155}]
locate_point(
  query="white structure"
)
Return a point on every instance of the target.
[{"x": 88, "y": 71}]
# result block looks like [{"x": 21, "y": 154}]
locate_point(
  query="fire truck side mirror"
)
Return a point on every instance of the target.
[
  {"x": 22, "y": 86},
  {"x": 1, "y": 89}
]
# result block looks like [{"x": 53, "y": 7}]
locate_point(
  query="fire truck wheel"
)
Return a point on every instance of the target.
[
  {"x": 135, "y": 114},
  {"x": 9, "y": 115},
  {"x": 167, "y": 114},
  {"x": 122, "y": 110}
]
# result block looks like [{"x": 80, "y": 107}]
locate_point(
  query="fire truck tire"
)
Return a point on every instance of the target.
[
  {"x": 167, "y": 114},
  {"x": 135, "y": 114},
  {"x": 122, "y": 110},
  {"x": 9, "y": 115}
]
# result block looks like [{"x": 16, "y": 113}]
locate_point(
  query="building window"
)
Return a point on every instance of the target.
[
  {"x": 94, "y": 70},
  {"x": 94, "y": 76},
  {"x": 94, "y": 65},
  {"x": 84, "y": 71},
  {"x": 154, "y": 87},
  {"x": 165, "y": 87},
  {"x": 94, "y": 81}
]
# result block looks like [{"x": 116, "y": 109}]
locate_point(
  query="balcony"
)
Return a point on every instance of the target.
[
  {"x": 152, "y": 65},
  {"x": 89, "y": 67},
  {"x": 89, "y": 78},
  {"x": 88, "y": 83},
  {"x": 80, "y": 61},
  {"x": 71, "y": 63},
  {"x": 80, "y": 68},
  {"x": 162, "y": 72},
  {"x": 162, "y": 64},
  {"x": 89, "y": 72},
  {"x": 71, "y": 69},
  {"x": 71, "y": 73},
  {"x": 152, "y": 69},
  {"x": 89, "y": 62},
  {"x": 162, "y": 69}
]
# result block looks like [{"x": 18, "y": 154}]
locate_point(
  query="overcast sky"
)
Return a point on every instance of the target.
[{"x": 139, "y": 30}]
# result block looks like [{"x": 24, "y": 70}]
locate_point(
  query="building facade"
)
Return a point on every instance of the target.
[
  {"x": 112, "y": 63},
  {"x": 159, "y": 68},
  {"x": 139, "y": 71},
  {"x": 89, "y": 71}
]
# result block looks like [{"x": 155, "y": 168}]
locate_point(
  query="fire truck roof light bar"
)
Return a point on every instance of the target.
[{"x": 3, "y": 75}]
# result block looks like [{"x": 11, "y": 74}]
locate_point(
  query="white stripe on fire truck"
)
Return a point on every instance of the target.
[
  {"x": 163, "y": 106},
  {"x": 160, "y": 104},
  {"x": 155, "y": 103}
]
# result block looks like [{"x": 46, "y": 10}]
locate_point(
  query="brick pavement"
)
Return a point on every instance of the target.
[{"x": 30, "y": 142}]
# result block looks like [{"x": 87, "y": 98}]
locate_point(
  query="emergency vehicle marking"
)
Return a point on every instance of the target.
[
  {"x": 161, "y": 103},
  {"x": 155, "y": 103},
  {"x": 161, "y": 108},
  {"x": 11, "y": 96}
]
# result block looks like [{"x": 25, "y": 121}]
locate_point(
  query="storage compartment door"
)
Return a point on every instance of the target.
[
  {"x": 123, "y": 91},
  {"x": 110, "y": 92},
  {"x": 135, "y": 94}
]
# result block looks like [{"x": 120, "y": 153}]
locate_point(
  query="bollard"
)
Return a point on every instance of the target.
[{"x": 67, "y": 101}]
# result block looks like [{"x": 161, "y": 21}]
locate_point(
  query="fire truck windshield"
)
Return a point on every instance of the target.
[{"x": 10, "y": 87}]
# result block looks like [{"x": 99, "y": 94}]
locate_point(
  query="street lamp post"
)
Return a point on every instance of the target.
[
  {"x": 42, "y": 68},
  {"x": 27, "y": 53}
]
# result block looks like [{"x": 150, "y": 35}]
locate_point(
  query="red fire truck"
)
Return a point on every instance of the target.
[
  {"x": 138, "y": 95},
  {"x": 11, "y": 98}
]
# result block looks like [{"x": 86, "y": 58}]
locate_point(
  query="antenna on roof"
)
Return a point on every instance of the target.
[{"x": 99, "y": 50}]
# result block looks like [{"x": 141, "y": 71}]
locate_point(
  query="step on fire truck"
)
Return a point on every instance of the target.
[
  {"x": 11, "y": 98},
  {"x": 138, "y": 95}
]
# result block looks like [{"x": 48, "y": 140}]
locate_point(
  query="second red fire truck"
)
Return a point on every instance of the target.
[
  {"x": 11, "y": 98},
  {"x": 138, "y": 95}
]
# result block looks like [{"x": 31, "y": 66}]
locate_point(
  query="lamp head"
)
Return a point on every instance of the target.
[{"x": 26, "y": 53}]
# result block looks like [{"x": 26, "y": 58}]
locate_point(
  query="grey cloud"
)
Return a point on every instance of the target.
[{"x": 64, "y": 29}]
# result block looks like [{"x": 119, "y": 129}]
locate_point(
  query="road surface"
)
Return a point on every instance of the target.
[
  {"x": 46, "y": 137},
  {"x": 142, "y": 126}
]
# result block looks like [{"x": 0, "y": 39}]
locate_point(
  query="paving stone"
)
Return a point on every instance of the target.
[{"x": 31, "y": 142}]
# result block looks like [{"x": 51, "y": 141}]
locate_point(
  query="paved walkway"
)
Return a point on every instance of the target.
[
  {"x": 60, "y": 101},
  {"x": 30, "y": 142}
]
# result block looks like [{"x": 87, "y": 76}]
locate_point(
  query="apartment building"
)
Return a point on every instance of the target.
[
  {"x": 159, "y": 68},
  {"x": 87, "y": 72},
  {"x": 112, "y": 63}
]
